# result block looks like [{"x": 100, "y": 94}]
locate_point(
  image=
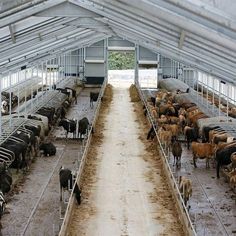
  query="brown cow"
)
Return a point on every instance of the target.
[
  {"x": 203, "y": 150},
  {"x": 165, "y": 137},
  {"x": 185, "y": 188},
  {"x": 177, "y": 152},
  {"x": 233, "y": 159}
]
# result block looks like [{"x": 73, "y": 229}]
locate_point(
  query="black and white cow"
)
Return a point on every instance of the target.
[
  {"x": 83, "y": 127},
  {"x": 2, "y": 204},
  {"x": 93, "y": 98},
  {"x": 5, "y": 178},
  {"x": 60, "y": 113},
  {"x": 48, "y": 112},
  {"x": 48, "y": 149},
  {"x": 67, "y": 178},
  {"x": 69, "y": 126},
  {"x": 74, "y": 94}
]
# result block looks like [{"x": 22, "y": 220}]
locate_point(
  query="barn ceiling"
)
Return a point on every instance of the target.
[{"x": 196, "y": 33}]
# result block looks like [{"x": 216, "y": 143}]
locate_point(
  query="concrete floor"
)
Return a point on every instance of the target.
[
  {"x": 213, "y": 208},
  {"x": 34, "y": 207},
  {"x": 123, "y": 198}
]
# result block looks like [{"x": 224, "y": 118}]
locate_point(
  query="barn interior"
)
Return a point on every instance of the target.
[{"x": 181, "y": 45}]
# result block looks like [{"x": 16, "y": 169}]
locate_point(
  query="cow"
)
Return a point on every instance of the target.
[
  {"x": 2, "y": 204},
  {"x": 64, "y": 91},
  {"x": 153, "y": 101},
  {"x": 165, "y": 137},
  {"x": 7, "y": 95},
  {"x": 67, "y": 178},
  {"x": 177, "y": 152},
  {"x": 74, "y": 93},
  {"x": 203, "y": 150},
  {"x": 185, "y": 188},
  {"x": 5, "y": 107},
  {"x": 48, "y": 112},
  {"x": 173, "y": 128},
  {"x": 5, "y": 178},
  {"x": 190, "y": 134},
  {"x": 44, "y": 125},
  {"x": 19, "y": 148},
  {"x": 93, "y": 98},
  {"x": 205, "y": 133},
  {"x": 223, "y": 157},
  {"x": 151, "y": 133},
  {"x": 60, "y": 113},
  {"x": 69, "y": 126},
  {"x": 232, "y": 179},
  {"x": 83, "y": 126},
  {"x": 48, "y": 149},
  {"x": 233, "y": 160}
]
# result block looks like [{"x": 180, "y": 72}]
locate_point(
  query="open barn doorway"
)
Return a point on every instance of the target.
[{"x": 121, "y": 66}]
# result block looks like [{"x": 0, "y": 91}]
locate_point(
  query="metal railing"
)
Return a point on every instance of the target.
[
  {"x": 187, "y": 223},
  {"x": 71, "y": 202}
]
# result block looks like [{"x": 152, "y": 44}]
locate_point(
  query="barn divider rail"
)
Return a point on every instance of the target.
[
  {"x": 72, "y": 200},
  {"x": 185, "y": 218}
]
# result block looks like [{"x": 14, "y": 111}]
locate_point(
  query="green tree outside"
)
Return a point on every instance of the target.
[{"x": 121, "y": 60}]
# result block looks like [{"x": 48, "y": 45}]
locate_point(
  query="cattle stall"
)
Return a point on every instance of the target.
[
  {"x": 189, "y": 228},
  {"x": 38, "y": 201},
  {"x": 71, "y": 204},
  {"x": 212, "y": 204}
]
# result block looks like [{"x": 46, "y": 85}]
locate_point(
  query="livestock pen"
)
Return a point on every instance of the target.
[
  {"x": 35, "y": 200},
  {"x": 212, "y": 204}
]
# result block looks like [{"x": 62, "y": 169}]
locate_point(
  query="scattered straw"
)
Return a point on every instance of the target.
[{"x": 134, "y": 93}]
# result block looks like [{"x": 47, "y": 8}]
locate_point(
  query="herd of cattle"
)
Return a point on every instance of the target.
[
  {"x": 28, "y": 141},
  {"x": 175, "y": 119}
]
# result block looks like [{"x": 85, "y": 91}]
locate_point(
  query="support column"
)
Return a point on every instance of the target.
[
  {"x": 197, "y": 88},
  {"x": 158, "y": 66},
  {"x": 219, "y": 97},
  {"x": 227, "y": 102},
  {"x": 207, "y": 90},
  {"x": 106, "y": 59},
  {"x": 18, "y": 93},
  {"x": 37, "y": 74},
  {"x": 136, "y": 64},
  {"x": 202, "y": 88},
  {"x": 213, "y": 95},
  {"x": 84, "y": 64},
  {"x": 10, "y": 99},
  {"x": 25, "y": 90}
]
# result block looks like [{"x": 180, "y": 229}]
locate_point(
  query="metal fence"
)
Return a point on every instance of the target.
[
  {"x": 85, "y": 148},
  {"x": 185, "y": 218}
]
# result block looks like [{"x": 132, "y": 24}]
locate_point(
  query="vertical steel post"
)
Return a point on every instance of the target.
[
  {"x": 158, "y": 65},
  {"x": 59, "y": 68},
  {"x": 84, "y": 62},
  {"x": 213, "y": 94},
  {"x": 106, "y": 59},
  {"x": 10, "y": 99},
  {"x": 202, "y": 88},
  {"x": 65, "y": 64},
  {"x": 197, "y": 88},
  {"x": 136, "y": 72},
  {"x": 50, "y": 76},
  {"x": 18, "y": 93},
  {"x": 31, "y": 90},
  {"x": 25, "y": 90},
  {"x": 227, "y": 102},
  {"x": 207, "y": 90},
  {"x": 69, "y": 64},
  {"x": 37, "y": 74},
  {"x": 219, "y": 96}
]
